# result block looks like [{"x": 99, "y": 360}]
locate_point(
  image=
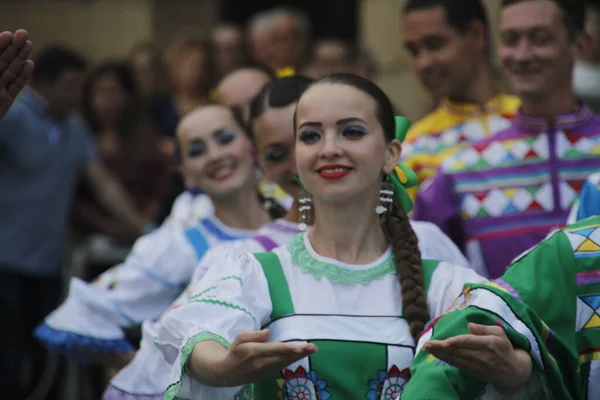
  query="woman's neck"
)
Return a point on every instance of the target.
[
  {"x": 350, "y": 233},
  {"x": 241, "y": 211}
]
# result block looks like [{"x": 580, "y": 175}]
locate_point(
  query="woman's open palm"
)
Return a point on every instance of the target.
[{"x": 250, "y": 358}]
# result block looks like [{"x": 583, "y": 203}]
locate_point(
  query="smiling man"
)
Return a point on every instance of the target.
[
  {"x": 502, "y": 195},
  {"x": 449, "y": 45}
]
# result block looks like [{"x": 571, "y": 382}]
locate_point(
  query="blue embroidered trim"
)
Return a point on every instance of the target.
[
  {"x": 158, "y": 279},
  {"x": 74, "y": 345},
  {"x": 197, "y": 240},
  {"x": 213, "y": 229}
]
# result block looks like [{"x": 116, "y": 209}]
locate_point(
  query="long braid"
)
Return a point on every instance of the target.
[{"x": 408, "y": 268}]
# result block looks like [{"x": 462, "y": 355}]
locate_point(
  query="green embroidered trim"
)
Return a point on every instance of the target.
[
  {"x": 333, "y": 273},
  {"x": 226, "y": 304},
  {"x": 245, "y": 393},
  {"x": 194, "y": 297},
  {"x": 172, "y": 390},
  {"x": 232, "y": 277},
  {"x": 215, "y": 286}
]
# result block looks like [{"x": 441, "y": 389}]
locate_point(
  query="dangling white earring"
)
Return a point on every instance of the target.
[
  {"x": 304, "y": 209},
  {"x": 386, "y": 197}
]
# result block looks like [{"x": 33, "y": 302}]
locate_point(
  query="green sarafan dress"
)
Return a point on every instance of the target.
[{"x": 548, "y": 302}]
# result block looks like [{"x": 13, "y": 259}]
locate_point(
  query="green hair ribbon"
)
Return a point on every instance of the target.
[{"x": 402, "y": 177}]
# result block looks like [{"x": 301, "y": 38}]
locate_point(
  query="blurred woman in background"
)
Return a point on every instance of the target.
[{"x": 128, "y": 146}]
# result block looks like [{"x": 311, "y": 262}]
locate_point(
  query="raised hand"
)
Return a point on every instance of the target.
[
  {"x": 15, "y": 67},
  {"x": 488, "y": 355},
  {"x": 251, "y": 359}
]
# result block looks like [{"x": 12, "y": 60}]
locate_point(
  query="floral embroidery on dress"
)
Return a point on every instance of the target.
[
  {"x": 388, "y": 385},
  {"x": 302, "y": 385}
]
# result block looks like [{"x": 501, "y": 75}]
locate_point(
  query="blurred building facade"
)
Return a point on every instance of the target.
[{"x": 109, "y": 28}]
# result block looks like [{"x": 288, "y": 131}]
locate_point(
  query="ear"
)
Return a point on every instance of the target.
[
  {"x": 583, "y": 46},
  {"x": 392, "y": 156}
]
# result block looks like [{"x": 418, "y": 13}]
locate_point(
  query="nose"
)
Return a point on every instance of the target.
[
  {"x": 422, "y": 61},
  {"x": 523, "y": 51},
  {"x": 330, "y": 148},
  {"x": 214, "y": 152}
]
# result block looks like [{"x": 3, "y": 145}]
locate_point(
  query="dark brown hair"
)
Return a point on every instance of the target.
[
  {"x": 573, "y": 14},
  {"x": 205, "y": 47},
  {"x": 396, "y": 226}
]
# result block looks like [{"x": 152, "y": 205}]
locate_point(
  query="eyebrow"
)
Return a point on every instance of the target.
[
  {"x": 219, "y": 131},
  {"x": 338, "y": 123}
]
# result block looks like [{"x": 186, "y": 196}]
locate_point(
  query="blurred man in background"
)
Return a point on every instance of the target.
[
  {"x": 450, "y": 47},
  {"x": 502, "y": 195},
  {"x": 279, "y": 38},
  {"x": 44, "y": 149},
  {"x": 228, "y": 41}
]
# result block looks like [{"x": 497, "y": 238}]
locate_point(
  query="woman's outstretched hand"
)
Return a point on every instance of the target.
[
  {"x": 486, "y": 354},
  {"x": 15, "y": 67},
  {"x": 250, "y": 358}
]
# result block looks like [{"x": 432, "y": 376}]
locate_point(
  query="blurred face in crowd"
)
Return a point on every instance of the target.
[
  {"x": 239, "y": 88},
  {"x": 289, "y": 40},
  {"x": 215, "y": 152},
  {"x": 330, "y": 57},
  {"x": 259, "y": 43},
  {"x": 65, "y": 93},
  {"x": 229, "y": 46},
  {"x": 109, "y": 99},
  {"x": 536, "y": 52},
  {"x": 274, "y": 138},
  {"x": 443, "y": 58},
  {"x": 146, "y": 65},
  {"x": 190, "y": 69}
]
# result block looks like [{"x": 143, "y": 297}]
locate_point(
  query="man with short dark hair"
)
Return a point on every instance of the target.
[
  {"x": 228, "y": 40},
  {"x": 279, "y": 38},
  {"x": 331, "y": 56},
  {"x": 449, "y": 45},
  {"x": 502, "y": 195},
  {"x": 15, "y": 68},
  {"x": 44, "y": 149}
]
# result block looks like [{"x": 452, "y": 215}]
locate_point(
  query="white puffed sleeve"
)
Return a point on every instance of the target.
[
  {"x": 436, "y": 245},
  {"x": 232, "y": 297},
  {"x": 446, "y": 285},
  {"x": 92, "y": 317}
]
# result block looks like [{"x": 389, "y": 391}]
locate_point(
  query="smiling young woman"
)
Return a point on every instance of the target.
[
  {"x": 216, "y": 156},
  {"x": 335, "y": 312}
]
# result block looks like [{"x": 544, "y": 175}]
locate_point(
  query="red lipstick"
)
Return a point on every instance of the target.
[{"x": 334, "y": 171}]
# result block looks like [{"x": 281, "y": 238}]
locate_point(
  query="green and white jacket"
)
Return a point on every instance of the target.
[{"x": 548, "y": 302}]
